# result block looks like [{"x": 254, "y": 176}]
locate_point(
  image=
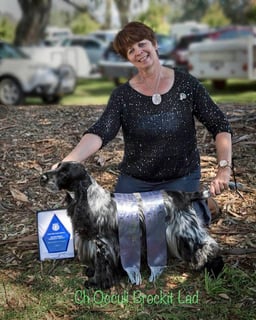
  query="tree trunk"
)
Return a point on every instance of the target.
[
  {"x": 123, "y": 7},
  {"x": 35, "y": 16}
]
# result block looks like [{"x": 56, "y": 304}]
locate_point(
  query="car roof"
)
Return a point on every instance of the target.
[{"x": 105, "y": 35}]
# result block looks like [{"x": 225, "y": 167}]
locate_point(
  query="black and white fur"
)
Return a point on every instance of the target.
[{"x": 94, "y": 218}]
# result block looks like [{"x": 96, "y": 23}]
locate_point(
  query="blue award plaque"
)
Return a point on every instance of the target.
[
  {"x": 55, "y": 234},
  {"x": 56, "y": 237}
]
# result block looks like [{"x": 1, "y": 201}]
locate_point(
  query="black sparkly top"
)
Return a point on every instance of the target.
[{"x": 160, "y": 140}]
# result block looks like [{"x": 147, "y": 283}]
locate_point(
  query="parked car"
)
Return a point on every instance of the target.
[
  {"x": 180, "y": 52},
  {"x": 21, "y": 76},
  {"x": 54, "y": 34},
  {"x": 166, "y": 44},
  {"x": 114, "y": 67},
  {"x": 93, "y": 46},
  {"x": 105, "y": 35},
  {"x": 233, "y": 32},
  {"x": 75, "y": 58},
  {"x": 229, "y": 53}
]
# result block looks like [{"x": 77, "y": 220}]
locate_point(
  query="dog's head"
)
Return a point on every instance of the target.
[{"x": 67, "y": 176}]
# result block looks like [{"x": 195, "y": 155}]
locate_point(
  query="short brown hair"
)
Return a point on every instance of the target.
[{"x": 131, "y": 33}]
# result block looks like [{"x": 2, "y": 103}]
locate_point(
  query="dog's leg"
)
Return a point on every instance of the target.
[{"x": 105, "y": 271}]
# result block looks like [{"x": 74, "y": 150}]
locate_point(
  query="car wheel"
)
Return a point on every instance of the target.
[
  {"x": 10, "y": 92},
  {"x": 51, "y": 99},
  {"x": 67, "y": 77}
]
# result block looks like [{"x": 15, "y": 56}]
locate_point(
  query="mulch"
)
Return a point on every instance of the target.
[{"x": 32, "y": 138}]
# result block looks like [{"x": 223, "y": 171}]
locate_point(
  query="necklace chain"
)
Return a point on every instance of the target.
[{"x": 156, "y": 97}]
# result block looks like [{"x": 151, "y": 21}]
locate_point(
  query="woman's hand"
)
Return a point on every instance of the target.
[
  {"x": 221, "y": 181},
  {"x": 55, "y": 166}
]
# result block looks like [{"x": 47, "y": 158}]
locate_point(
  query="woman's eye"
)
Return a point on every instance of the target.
[
  {"x": 142, "y": 44},
  {"x": 130, "y": 51}
]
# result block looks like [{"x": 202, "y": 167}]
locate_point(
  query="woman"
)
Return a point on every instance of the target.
[{"x": 156, "y": 110}]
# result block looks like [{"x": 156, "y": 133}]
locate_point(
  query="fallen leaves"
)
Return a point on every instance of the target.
[
  {"x": 35, "y": 137},
  {"x": 18, "y": 195}
]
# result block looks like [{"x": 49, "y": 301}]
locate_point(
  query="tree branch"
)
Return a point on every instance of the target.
[{"x": 77, "y": 6}]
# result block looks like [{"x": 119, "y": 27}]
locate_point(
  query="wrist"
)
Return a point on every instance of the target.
[{"x": 224, "y": 164}]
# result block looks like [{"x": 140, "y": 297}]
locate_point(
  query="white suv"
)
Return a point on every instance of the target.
[{"x": 21, "y": 76}]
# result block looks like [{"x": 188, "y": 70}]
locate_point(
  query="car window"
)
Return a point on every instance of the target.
[
  {"x": 11, "y": 52},
  {"x": 65, "y": 42},
  {"x": 186, "y": 41},
  {"x": 88, "y": 44}
]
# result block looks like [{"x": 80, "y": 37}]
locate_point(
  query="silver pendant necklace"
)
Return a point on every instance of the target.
[{"x": 156, "y": 97}]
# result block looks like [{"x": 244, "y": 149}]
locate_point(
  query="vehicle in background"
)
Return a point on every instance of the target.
[
  {"x": 114, "y": 67},
  {"x": 166, "y": 44},
  {"x": 180, "y": 53},
  {"x": 21, "y": 76},
  {"x": 220, "y": 60},
  {"x": 93, "y": 46},
  {"x": 181, "y": 29},
  {"x": 74, "y": 59},
  {"x": 233, "y": 32},
  {"x": 104, "y": 35},
  {"x": 55, "y": 34}
]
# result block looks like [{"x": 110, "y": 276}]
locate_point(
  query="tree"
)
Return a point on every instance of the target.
[
  {"x": 35, "y": 16},
  {"x": 123, "y": 7},
  {"x": 155, "y": 17},
  {"x": 7, "y": 29},
  {"x": 189, "y": 10},
  {"x": 236, "y": 10},
  {"x": 83, "y": 24},
  {"x": 215, "y": 16}
]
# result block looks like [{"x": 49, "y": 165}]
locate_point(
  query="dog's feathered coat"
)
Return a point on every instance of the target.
[{"x": 94, "y": 218}]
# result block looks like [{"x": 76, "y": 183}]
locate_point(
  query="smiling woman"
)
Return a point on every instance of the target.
[{"x": 162, "y": 101}]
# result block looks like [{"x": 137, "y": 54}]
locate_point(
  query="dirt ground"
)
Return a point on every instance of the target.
[{"x": 32, "y": 138}]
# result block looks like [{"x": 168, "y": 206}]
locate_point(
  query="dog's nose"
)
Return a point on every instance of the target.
[{"x": 43, "y": 179}]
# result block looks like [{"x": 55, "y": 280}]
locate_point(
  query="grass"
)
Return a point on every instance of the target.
[
  {"x": 236, "y": 91},
  {"x": 97, "y": 91},
  {"x": 54, "y": 289}
]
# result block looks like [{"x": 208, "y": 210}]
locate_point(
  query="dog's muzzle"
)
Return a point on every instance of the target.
[
  {"x": 49, "y": 182},
  {"x": 43, "y": 180}
]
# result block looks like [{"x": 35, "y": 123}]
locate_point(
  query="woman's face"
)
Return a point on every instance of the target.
[{"x": 142, "y": 54}]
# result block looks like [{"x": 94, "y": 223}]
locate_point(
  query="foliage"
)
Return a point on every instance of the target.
[
  {"x": 215, "y": 16},
  {"x": 60, "y": 18},
  {"x": 83, "y": 24},
  {"x": 155, "y": 17},
  {"x": 193, "y": 10},
  {"x": 236, "y": 10},
  {"x": 7, "y": 29},
  {"x": 251, "y": 15}
]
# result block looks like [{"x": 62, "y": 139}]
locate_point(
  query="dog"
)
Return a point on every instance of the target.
[{"x": 93, "y": 212}]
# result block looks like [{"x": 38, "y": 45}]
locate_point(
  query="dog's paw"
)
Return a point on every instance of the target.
[
  {"x": 214, "y": 267},
  {"x": 89, "y": 272}
]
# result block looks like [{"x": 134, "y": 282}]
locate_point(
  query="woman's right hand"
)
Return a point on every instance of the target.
[{"x": 55, "y": 166}]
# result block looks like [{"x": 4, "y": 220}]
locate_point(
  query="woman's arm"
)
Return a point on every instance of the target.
[
  {"x": 88, "y": 145},
  {"x": 223, "y": 144}
]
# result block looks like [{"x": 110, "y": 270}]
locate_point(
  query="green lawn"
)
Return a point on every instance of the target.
[{"x": 97, "y": 91}]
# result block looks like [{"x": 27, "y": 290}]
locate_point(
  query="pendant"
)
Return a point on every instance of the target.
[{"x": 156, "y": 98}]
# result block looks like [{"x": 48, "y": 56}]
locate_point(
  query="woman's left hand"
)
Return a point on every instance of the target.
[{"x": 221, "y": 181}]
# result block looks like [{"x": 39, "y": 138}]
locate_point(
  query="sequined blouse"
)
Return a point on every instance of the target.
[{"x": 160, "y": 140}]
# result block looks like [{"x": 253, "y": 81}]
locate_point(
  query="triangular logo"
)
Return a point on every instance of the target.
[{"x": 56, "y": 237}]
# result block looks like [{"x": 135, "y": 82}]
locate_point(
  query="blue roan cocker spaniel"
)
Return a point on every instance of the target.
[{"x": 94, "y": 216}]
